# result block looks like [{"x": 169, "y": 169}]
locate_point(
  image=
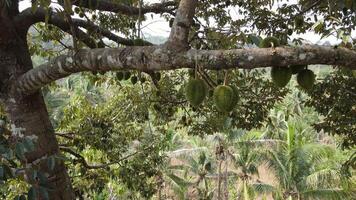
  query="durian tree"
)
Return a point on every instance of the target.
[{"x": 203, "y": 33}]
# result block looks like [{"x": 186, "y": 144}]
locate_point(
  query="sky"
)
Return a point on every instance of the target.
[{"x": 157, "y": 26}]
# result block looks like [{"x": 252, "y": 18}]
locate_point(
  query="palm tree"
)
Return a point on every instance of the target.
[
  {"x": 303, "y": 170},
  {"x": 246, "y": 160},
  {"x": 191, "y": 175}
]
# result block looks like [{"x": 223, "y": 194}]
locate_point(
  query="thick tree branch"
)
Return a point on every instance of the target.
[
  {"x": 28, "y": 18},
  {"x": 153, "y": 58},
  {"x": 110, "y": 6},
  {"x": 106, "y": 33},
  {"x": 178, "y": 38}
]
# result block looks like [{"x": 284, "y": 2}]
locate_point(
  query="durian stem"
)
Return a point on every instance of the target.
[
  {"x": 196, "y": 67},
  {"x": 207, "y": 79},
  {"x": 226, "y": 77}
]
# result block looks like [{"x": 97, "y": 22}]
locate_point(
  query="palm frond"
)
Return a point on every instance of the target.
[
  {"x": 322, "y": 194},
  {"x": 324, "y": 177},
  {"x": 263, "y": 188}
]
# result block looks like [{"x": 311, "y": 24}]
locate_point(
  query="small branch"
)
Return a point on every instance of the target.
[
  {"x": 66, "y": 135},
  {"x": 82, "y": 160},
  {"x": 27, "y": 18}
]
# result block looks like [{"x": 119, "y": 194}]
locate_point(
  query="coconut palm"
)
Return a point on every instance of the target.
[
  {"x": 303, "y": 170},
  {"x": 246, "y": 160}
]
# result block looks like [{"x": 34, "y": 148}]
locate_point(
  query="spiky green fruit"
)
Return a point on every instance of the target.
[
  {"x": 127, "y": 75},
  {"x": 297, "y": 68},
  {"x": 171, "y": 21},
  {"x": 77, "y": 10},
  {"x": 196, "y": 91},
  {"x": 290, "y": 32},
  {"x": 269, "y": 42},
  {"x": 306, "y": 79},
  {"x": 134, "y": 80},
  {"x": 119, "y": 76},
  {"x": 234, "y": 88},
  {"x": 281, "y": 75},
  {"x": 81, "y": 15},
  {"x": 157, "y": 76},
  {"x": 298, "y": 21},
  {"x": 224, "y": 98},
  {"x": 142, "y": 79}
]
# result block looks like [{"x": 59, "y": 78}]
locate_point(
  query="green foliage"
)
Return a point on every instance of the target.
[
  {"x": 269, "y": 42},
  {"x": 334, "y": 98}
]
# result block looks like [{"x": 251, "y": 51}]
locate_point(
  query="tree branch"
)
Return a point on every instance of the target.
[
  {"x": 82, "y": 160},
  {"x": 110, "y": 6},
  {"x": 106, "y": 33},
  {"x": 152, "y": 58},
  {"x": 27, "y": 18}
]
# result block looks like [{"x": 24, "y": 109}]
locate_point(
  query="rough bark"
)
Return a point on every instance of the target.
[
  {"x": 159, "y": 58},
  {"x": 178, "y": 38},
  {"x": 29, "y": 112},
  {"x": 110, "y": 6},
  {"x": 27, "y": 18}
]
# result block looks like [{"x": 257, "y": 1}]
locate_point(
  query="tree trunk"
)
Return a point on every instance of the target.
[
  {"x": 219, "y": 180},
  {"x": 29, "y": 112}
]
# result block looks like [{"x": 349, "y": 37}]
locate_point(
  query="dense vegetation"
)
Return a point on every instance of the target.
[{"x": 275, "y": 132}]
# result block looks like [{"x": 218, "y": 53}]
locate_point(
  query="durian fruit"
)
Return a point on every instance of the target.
[
  {"x": 298, "y": 21},
  {"x": 196, "y": 91},
  {"x": 306, "y": 79},
  {"x": 224, "y": 98},
  {"x": 234, "y": 88},
  {"x": 77, "y": 10},
  {"x": 290, "y": 32},
  {"x": 119, "y": 76},
  {"x": 281, "y": 75},
  {"x": 297, "y": 68},
  {"x": 81, "y": 15},
  {"x": 127, "y": 75},
  {"x": 142, "y": 79},
  {"x": 269, "y": 42},
  {"x": 134, "y": 80},
  {"x": 157, "y": 76},
  {"x": 171, "y": 21}
]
